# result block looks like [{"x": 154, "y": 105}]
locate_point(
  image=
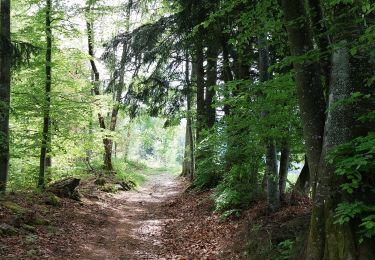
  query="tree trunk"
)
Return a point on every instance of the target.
[
  {"x": 188, "y": 165},
  {"x": 96, "y": 92},
  {"x": 199, "y": 74},
  {"x": 120, "y": 86},
  {"x": 302, "y": 185},
  {"x": 321, "y": 39},
  {"x": 284, "y": 167},
  {"x": 309, "y": 86},
  {"x": 127, "y": 142},
  {"x": 273, "y": 193},
  {"x": 47, "y": 102},
  {"x": 211, "y": 83},
  {"x": 328, "y": 240},
  {"x": 5, "y": 74},
  {"x": 227, "y": 72}
]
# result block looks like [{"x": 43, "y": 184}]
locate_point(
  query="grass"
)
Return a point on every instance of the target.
[{"x": 130, "y": 171}]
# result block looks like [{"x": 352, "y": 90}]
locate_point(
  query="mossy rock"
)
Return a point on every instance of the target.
[
  {"x": 76, "y": 195},
  {"x": 15, "y": 208},
  {"x": 100, "y": 181},
  {"x": 110, "y": 188},
  {"x": 53, "y": 200}
]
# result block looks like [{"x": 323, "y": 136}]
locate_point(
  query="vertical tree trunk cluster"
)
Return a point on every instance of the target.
[
  {"x": 325, "y": 131},
  {"x": 5, "y": 74}
]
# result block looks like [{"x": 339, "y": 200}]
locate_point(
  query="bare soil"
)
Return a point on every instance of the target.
[{"x": 156, "y": 221}]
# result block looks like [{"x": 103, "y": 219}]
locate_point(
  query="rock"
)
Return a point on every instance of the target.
[
  {"x": 15, "y": 208},
  {"x": 111, "y": 188},
  {"x": 53, "y": 200},
  {"x": 126, "y": 186},
  {"x": 100, "y": 181},
  {"x": 64, "y": 188},
  {"x": 6, "y": 229}
]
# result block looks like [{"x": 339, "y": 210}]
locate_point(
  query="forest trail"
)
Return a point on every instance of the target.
[
  {"x": 133, "y": 221},
  {"x": 158, "y": 220}
]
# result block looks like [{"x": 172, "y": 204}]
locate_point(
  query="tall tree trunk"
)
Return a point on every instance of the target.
[
  {"x": 273, "y": 193},
  {"x": 284, "y": 167},
  {"x": 47, "y": 101},
  {"x": 320, "y": 33},
  {"x": 96, "y": 92},
  {"x": 127, "y": 142},
  {"x": 227, "y": 72},
  {"x": 211, "y": 83},
  {"x": 120, "y": 86},
  {"x": 199, "y": 74},
  {"x": 188, "y": 166},
  {"x": 309, "y": 86},
  {"x": 328, "y": 240},
  {"x": 5, "y": 73}
]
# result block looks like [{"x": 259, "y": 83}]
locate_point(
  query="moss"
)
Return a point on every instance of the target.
[
  {"x": 109, "y": 188},
  {"x": 100, "y": 181},
  {"x": 28, "y": 228},
  {"x": 6, "y": 229},
  {"x": 340, "y": 241},
  {"x": 39, "y": 220},
  {"x": 15, "y": 208},
  {"x": 53, "y": 200}
]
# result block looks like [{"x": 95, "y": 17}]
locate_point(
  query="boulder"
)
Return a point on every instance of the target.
[
  {"x": 65, "y": 188},
  {"x": 126, "y": 186}
]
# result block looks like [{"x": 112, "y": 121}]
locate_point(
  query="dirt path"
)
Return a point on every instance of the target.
[
  {"x": 132, "y": 222},
  {"x": 157, "y": 221}
]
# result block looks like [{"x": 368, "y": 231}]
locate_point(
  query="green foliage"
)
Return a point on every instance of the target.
[
  {"x": 129, "y": 171},
  {"x": 210, "y": 167},
  {"x": 285, "y": 249},
  {"x": 239, "y": 187},
  {"x": 354, "y": 161}
]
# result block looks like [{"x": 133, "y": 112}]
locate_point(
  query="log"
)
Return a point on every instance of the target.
[{"x": 65, "y": 188}]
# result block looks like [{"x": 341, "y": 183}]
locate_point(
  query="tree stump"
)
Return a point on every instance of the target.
[{"x": 65, "y": 188}]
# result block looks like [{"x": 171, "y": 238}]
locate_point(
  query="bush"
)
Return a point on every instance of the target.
[{"x": 240, "y": 187}]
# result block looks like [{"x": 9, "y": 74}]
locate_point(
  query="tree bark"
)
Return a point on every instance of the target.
[
  {"x": 328, "y": 240},
  {"x": 119, "y": 87},
  {"x": 96, "y": 92},
  {"x": 5, "y": 75},
  {"x": 188, "y": 166},
  {"x": 309, "y": 86},
  {"x": 284, "y": 167},
  {"x": 227, "y": 72},
  {"x": 273, "y": 192},
  {"x": 320, "y": 34},
  {"x": 47, "y": 102},
  {"x": 211, "y": 83},
  {"x": 199, "y": 74},
  {"x": 302, "y": 185}
]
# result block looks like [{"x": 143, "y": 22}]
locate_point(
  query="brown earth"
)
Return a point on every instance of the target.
[{"x": 157, "y": 221}]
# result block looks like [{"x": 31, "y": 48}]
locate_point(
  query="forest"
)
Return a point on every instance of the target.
[{"x": 186, "y": 129}]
